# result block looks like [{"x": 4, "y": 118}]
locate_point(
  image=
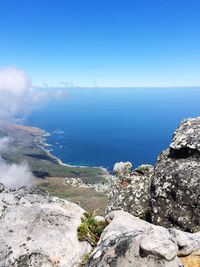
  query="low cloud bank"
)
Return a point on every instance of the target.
[
  {"x": 17, "y": 98},
  {"x": 13, "y": 175},
  {"x": 4, "y": 143},
  {"x": 17, "y": 95}
]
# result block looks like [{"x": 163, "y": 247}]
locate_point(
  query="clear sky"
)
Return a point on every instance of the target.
[{"x": 103, "y": 42}]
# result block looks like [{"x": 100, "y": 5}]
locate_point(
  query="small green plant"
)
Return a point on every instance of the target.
[{"x": 90, "y": 229}]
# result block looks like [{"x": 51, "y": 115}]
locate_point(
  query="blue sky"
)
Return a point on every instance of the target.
[{"x": 102, "y": 42}]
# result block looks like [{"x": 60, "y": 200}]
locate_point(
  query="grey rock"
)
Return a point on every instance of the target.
[
  {"x": 175, "y": 190},
  {"x": 131, "y": 192},
  {"x": 145, "y": 169},
  {"x": 167, "y": 194},
  {"x": 153, "y": 244},
  {"x": 1, "y": 187},
  {"x": 187, "y": 135},
  {"x": 38, "y": 230},
  {"x": 99, "y": 218},
  {"x": 122, "y": 168},
  {"x": 188, "y": 243},
  {"x": 129, "y": 241}
]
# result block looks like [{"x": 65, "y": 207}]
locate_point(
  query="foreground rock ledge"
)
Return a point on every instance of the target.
[
  {"x": 130, "y": 242},
  {"x": 39, "y": 231}
]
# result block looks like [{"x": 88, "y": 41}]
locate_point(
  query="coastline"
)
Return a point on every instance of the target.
[{"x": 43, "y": 143}]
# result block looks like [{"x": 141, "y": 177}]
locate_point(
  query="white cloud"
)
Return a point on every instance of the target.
[
  {"x": 13, "y": 175},
  {"x": 17, "y": 95},
  {"x": 17, "y": 98},
  {"x": 4, "y": 143},
  {"x": 13, "y": 80}
]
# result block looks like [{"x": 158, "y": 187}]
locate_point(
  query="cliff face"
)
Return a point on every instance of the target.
[
  {"x": 169, "y": 193},
  {"x": 175, "y": 190}
]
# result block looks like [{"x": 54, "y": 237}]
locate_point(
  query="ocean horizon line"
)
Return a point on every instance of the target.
[{"x": 118, "y": 87}]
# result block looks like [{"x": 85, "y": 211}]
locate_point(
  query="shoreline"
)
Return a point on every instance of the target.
[{"x": 42, "y": 144}]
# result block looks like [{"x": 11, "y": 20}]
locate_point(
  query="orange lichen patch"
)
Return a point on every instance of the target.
[
  {"x": 191, "y": 261},
  {"x": 125, "y": 183}
]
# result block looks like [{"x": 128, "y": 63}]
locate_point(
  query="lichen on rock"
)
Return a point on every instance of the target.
[
  {"x": 131, "y": 191},
  {"x": 167, "y": 194},
  {"x": 129, "y": 241},
  {"x": 39, "y": 230},
  {"x": 175, "y": 190}
]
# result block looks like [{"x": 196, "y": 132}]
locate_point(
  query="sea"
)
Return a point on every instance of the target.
[{"x": 102, "y": 126}]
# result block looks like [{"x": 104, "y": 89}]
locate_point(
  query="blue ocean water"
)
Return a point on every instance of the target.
[{"x": 100, "y": 126}]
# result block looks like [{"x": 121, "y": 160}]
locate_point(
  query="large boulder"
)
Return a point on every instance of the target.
[
  {"x": 175, "y": 190},
  {"x": 38, "y": 230},
  {"x": 128, "y": 241},
  {"x": 131, "y": 191},
  {"x": 167, "y": 194}
]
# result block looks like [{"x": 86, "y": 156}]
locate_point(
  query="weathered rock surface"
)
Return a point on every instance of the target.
[
  {"x": 131, "y": 191},
  {"x": 129, "y": 241},
  {"x": 187, "y": 242},
  {"x": 38, "y": 230},
  {"x": 169, "y": 193},
  {"x": 1, "y": 187},
  {"x": 187, "y": 136},
  {"x": 122, "y": 168},
  {"x": 175, "y": 187}
]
